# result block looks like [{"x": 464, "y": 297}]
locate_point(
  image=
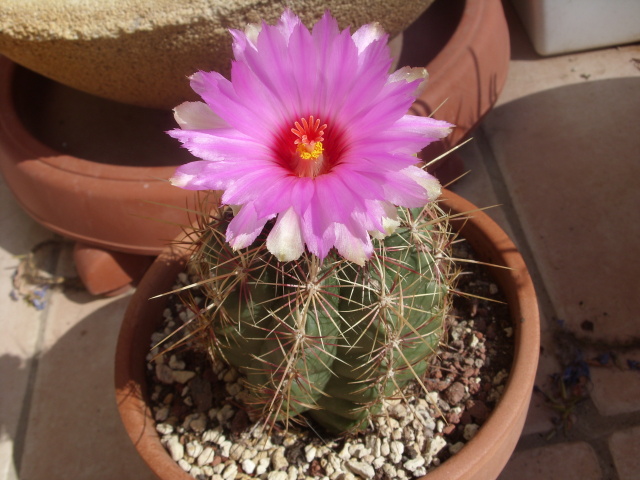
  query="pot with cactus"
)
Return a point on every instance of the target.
[{"x": 321, "y": 272}]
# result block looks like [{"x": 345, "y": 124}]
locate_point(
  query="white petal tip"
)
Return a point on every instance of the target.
[
  {"x": 180, "y": 180},
  {"x": 285, "y": 240},
  {"x": 196, "y": 116}
]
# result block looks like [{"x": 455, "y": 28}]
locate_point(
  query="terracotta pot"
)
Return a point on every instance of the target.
[
  {"x": 467, "y": 44},
  {"x": 482, "y": 458},
  {"x": 119, "y": 201},
  {"x": 112, "y": 197}
]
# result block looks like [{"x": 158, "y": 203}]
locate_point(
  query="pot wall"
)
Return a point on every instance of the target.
[{"x": 116, "y": 206}]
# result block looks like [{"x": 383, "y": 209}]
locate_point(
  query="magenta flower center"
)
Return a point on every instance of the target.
[
  {"x": 310, "y": 137},
  {"x": 308, "y": 154}
]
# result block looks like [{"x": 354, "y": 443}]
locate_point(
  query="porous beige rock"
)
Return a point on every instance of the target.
[{"x": 142, "y": 51}]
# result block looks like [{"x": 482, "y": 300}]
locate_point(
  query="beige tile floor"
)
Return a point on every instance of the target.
[{"x": 560, "y": 152}]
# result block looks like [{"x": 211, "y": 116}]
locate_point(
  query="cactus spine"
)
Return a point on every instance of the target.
[{"x": 331, "y": 339}]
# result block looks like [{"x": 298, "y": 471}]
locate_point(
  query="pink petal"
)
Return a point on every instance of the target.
[
  {"x": 408, "y": 135},
  {"x": 302, "y": 192},
  {"x": 245, "y": 227},
  {"x": 288, "y": 22},
  {"x": 252, "y": 184},
  {"x": 270, "y": 63},
  {"x": 337, "y": 67},
  {"x": 239, "y": 112},
  {"x": 390, "y": 221},
  {"x": 404, "y": 191},
  {"x": 221, "y": 144},
  {"x": 195, "y": 176},
  {"x": 425, "y": 126},
  {"x": 276, "y": 197},
  {"x": 317, "y": 228},
  {"x": 244, "y": 40},
  {"x": 303, "y": 57},
  {"x": 360, "y": 182},
  {"x": 271, "y": 114},
  {"x": 409, "y": 74},
  {"x": 334, "y": 195},
  {"x": 388, "y": 107}
]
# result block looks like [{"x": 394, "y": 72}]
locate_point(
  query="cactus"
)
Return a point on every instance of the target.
[
  {"x": 311, "y": 142},
  {"x": 329, "y": 338}
]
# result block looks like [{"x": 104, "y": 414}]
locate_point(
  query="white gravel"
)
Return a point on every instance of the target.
[{"x": 404, "y": 444}]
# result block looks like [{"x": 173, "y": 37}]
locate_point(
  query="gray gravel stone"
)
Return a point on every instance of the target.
[
  {"x": 206, "y": 456},
  {"x": 182, "y": 376},
  {"x": 470, "y": 431},
  {"x": 194, "y": 449},
  {"x": 184, "y": 465},
  {"x": 164, "y": 373},
  {"x": 230, "y": 471},
  {"x": 361, "y": 468},
  {"x": 413, "y": 464},
  {"x": 248, "y": 466},
  {"x": 176, "y": 449},
  {"x": 278, "y": 475},
  {"x": 310, "y": 453},
  {"x": 164, "y": 428}
]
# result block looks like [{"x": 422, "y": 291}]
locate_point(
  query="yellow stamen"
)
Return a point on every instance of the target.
[{"x": 310, "y": 151}]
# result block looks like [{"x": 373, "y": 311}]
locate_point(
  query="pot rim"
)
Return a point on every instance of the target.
[{"x": 23, "y": 144}]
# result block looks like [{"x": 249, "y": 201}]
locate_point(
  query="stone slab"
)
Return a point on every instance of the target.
[
  {"x": 624, "y": 446},
  {"x": 616, "y": 387},
  {"x": 74, "y": 427},
  {"x": 566, "y": 461},
  {"x": 571, "y": 171}
]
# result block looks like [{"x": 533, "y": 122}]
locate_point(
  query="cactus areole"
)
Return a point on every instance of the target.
[{"x": 325, "y": 263}]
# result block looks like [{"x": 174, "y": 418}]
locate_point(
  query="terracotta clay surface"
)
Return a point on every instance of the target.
[
  {"x": 142, "y": 51},
  {"x": 106, "y": 272},
  {"x": 482, "y": 458},
  {"x": 113, "y": 193},
  {"x": 467, "y": 43}
]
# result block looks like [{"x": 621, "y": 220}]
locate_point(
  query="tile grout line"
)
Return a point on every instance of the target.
[
  {"x": 19, "y": 441},
  {"x": 23, "y": 420}
]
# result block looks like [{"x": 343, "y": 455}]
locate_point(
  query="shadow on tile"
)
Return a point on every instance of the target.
[
  {"x": 569, "y": 157},
  {"x": 14, "y": 372},
  {"x": 74, "y": 430}
]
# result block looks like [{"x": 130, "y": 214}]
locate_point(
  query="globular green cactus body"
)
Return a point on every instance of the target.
[{"x": 332, "y": 339}]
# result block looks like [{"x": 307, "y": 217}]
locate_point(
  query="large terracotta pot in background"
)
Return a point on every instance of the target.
[
  {"x": 95, "y": 170},
  {"x": 141, "y": 52},
  {"x": 468, "y": 44},
  {"x": 481, "y": 459}
]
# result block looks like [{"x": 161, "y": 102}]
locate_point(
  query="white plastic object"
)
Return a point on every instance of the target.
[{"x": 562, "y": 26}]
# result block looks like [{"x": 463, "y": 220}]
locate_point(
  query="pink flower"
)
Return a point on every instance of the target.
[{"x": 312, "y": 131}]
